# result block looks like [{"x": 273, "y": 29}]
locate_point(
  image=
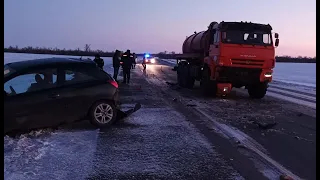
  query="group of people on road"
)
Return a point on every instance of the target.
[{"x": 126, "y": 60}]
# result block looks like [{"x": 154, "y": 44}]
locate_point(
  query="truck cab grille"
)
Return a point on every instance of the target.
[{"x": 247, "y": 62}]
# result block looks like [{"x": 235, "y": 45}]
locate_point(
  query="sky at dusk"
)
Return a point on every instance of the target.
[{"x": 151, "y": 25}]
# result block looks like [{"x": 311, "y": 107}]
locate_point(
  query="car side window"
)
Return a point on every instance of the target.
[
  {"x": 31, "y": 82},
  {"x": 75, "y": 76}
]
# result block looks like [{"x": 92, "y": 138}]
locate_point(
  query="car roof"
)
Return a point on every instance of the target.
[{"x": 49, "y": 62}]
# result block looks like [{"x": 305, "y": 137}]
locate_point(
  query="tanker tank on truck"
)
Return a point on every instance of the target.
[{"x": 227, "y": 55}]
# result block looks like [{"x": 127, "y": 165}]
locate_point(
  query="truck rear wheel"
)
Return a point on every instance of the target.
[
  {"x": 208, "y": 87},
  {"x": 258, "y": 91},
  {"x": 184, "y": 78}
]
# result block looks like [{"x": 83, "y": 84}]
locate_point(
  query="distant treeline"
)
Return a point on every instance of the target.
[{"x": 162, "y": 55}]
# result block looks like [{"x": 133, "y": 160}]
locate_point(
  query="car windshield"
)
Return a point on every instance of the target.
[
  {"x": 7, "y": 71},
  {"x": 247, "y": 37}
]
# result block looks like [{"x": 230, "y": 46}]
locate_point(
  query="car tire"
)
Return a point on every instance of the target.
[{"x": 103, "y": 114}]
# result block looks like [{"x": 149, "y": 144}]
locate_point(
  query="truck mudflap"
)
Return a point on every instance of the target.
[{"x": 223, "y": 89}]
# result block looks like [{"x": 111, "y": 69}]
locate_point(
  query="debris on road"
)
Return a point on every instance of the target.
[
  {"x": 299, "y": 114},
  {"x": 174, "y": 99},
  {"x": 171, "y": 83},
  {"x": 265, "y": 126},
  {"x": 191, "y": 105},
  {"x": 124, "y": 114},
  {"x": 285, "y": 177},
  {"x": 174, "y": 86}
]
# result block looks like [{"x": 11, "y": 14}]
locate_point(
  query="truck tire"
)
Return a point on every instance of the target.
[
  {"x": 184, "y": 78},
  {"x": 179, "y": 75},
  {"x": 208, "y": 87},
  {"x": 181, "y": 72},
  {"x": 257, "y": 91},
  {"x": 190, "y": 82}
]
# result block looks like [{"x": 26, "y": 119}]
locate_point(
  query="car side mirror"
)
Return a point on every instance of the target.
[
  {"x": 276, "y": 35},
  {"x": 276, "y": 43}
]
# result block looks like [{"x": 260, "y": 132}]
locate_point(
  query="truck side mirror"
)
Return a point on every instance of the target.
[
  {"x": 276, "y": 43},
  {"x": 276, "y": 35}
]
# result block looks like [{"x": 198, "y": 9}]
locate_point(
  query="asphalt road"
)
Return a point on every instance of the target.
[
  {"x": 291, "y": 142},
  {"x": 156, "y": 142},
  {"x": 177, "y": 134}
]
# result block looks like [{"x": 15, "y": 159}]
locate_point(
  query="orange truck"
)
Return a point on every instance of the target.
[{"x": 227, "y": 55}]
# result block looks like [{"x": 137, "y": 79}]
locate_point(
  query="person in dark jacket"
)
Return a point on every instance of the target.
[
  {"x": 126, "y": 66},
  {"x": 116, "y": 64},
  {"x": 99, "y": 61}
]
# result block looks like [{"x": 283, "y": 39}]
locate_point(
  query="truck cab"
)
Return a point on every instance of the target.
[{"x": 243, "y": 55}]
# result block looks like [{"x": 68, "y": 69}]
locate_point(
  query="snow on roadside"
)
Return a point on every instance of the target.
[{"x": 45, "y": 154}]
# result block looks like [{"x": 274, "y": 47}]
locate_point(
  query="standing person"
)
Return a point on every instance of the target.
[
  {"x": 126, "y": 66},
  {"x": 116, "y": 64},
  {"x": 99, "y": 61},
  {"x": 134, "y": 60},
  {"x": 144, "y": 64}
]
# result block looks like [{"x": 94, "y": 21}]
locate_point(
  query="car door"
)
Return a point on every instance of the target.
[
  {"x": 78, "y": 92},
  {"x": 26, "y": 107}
]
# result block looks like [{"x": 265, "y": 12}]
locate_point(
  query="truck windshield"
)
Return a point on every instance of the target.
[{"x": 247, "y": 37}]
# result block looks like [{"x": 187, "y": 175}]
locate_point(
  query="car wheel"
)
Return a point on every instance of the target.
[{"x": 103, "y": 114}]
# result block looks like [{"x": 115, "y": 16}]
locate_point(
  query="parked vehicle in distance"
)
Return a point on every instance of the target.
[
  {"x": 148, "y": 59},
  {"x": 49, "y": 92}
]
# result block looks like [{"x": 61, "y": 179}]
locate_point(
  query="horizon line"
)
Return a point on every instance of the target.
[{"x": 168, "y": 52}]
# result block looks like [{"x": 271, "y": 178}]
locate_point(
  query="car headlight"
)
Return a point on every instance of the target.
[{"x": 153, "y": 60}]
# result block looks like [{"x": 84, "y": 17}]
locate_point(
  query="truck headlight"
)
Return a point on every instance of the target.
[{"x": 268, "y": 74}]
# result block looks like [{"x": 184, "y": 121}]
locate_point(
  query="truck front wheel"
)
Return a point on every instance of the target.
[
  {"x": 258, "y": 91},
  {"x": 184, "y": 78},
  {"x": 208, "y": 87}
]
